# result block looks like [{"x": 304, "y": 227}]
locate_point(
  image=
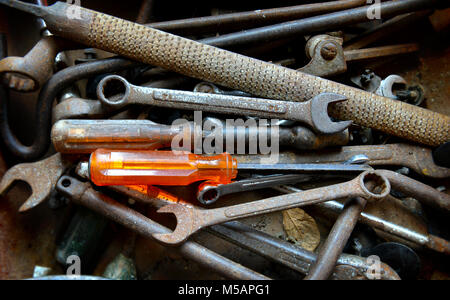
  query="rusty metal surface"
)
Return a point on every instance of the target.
[
  {"x": 190, "y": 219},
  {"x": 418, "y": 158},
  {"x": 336, "y": 241},
  {"x": 248, "y": 74},
  {"x": 313, "y": 112},
  {"x": 43, "y": 113},
  {"x": 29, "y": 73},
  {"x": 358, "y": 54},
  {"x": 390, "y": 217},
  {"x": 243, "y": 20},
  {"x": 418, "y": 190},
  {"x": 258, "y": 241},
  {"x": 41, "y": 176},
  {"x": 84, "y": 194}
]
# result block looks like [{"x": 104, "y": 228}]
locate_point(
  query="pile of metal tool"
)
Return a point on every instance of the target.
[{"x": 360, "y": 154}]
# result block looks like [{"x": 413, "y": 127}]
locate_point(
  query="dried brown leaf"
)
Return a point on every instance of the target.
[{"x": 301, "y": 229}]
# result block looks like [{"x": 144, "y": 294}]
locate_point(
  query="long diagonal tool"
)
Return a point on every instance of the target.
[
  {"x": 190, "y": 219},
  {"x": 240, "y": 72}
]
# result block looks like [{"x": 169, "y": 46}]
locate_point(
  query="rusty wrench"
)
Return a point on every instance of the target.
[
  {"x": 313, "y": 112},
  {"x": 42, "y": 177},
  {"x": 191, "y": 219}
]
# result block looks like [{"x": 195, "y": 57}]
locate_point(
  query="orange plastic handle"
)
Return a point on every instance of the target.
[{"x": 110, "y": 167}]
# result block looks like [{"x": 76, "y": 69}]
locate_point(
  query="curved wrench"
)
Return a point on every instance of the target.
[{"x": 313, "y": 112}]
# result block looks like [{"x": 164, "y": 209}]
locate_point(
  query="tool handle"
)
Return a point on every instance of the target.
[
  {"x": 260, "y": 78},
  {"x": 169, "y": 168},
  {"x": 86, "y": 136}
]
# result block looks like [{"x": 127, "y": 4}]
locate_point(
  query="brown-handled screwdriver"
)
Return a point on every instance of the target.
[{"x": 239, "y": 72}]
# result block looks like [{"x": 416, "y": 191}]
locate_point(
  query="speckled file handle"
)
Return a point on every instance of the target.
[{"x": 240, "y": 72}]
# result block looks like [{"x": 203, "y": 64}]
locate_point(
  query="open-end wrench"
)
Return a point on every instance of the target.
[
  {"x": 250, "y": 75},
  {"x": 191, "y": 219},
  {"x": 41, "y": 176},
  {"x": 313, "y": 112},
  {"x": 417, "y": 158},
  {"x": 83, "y": 193}
]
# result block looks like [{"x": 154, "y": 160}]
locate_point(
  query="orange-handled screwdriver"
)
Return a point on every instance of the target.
[
  {"x": 109, "y": 167},
  {"x": 146, "y": 167}
]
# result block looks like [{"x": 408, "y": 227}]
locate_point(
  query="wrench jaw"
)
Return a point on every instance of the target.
[
  {"x": 185, "y": 224},
  {"x": 322, "y": 122},
  {"x": 19, "y": 173}
]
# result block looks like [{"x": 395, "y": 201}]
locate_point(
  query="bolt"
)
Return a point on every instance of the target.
[{"x": 328, "y": 51}]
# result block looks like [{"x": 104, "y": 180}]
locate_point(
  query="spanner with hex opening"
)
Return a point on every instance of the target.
[
  {"x": 313, "y": 112},
  {"x": 190, "y": 219}
]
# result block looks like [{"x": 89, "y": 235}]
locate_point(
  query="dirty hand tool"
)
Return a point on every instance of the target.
[
  {"x": 247, "y": 74},
  {"x": 86, "y": 136},
  {"x": 41, "y": 176},
  {"x": 337, "y": 239},
  {"x": 259, "y": 242},
  {"x": 29, "y": 73},
  {"x": 417, "y": 158},
  {"x": 242, "y": 20},
  {"x": 83, "y": 194},
  {"x": 313, "y": 112},
  {"x": 419, "y": 236},
  {"x": 209, "y": 192},
  {"x": 191, "y": 220},
  {"x": 47, "y": 95},
  {"x": 178, "y": 168}
]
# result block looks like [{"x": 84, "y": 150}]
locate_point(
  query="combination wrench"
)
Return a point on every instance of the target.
[
  {"x": 190, "y": 219},
  {"x": 313, "y": 112}
]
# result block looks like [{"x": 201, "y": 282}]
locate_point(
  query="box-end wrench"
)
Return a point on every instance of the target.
[
  {"x": 250, "y": 75},
  {"x": 274, "y": 249},
  {"x": 209, "y": 192},
  {"x": 84, "y": 194},
  {"x": 191, "y": 220},
  {"x": 313, "y": 112},
  {"x": 41, "y": 176}
]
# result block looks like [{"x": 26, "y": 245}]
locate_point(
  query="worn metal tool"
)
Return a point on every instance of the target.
[
  {"x": 49, "y": 92},
  {"x": 417, "y": 236},
  {"x": 313, "y": 112},
  {"x": 274, "y": 249},
  {"x": 84, "y": 194},
  {"x": 191, "y": 220},
  {"x": 348, "y": 267},
  {"x": 210, "y": 192},
  {"x": 249, "y": 19},
  {"x": 41, "y": 176},
  {"x": 337, "y": 239},
  {"x": 29, "y": 73},
  {"x": 247, "y": 74},
  {"x": 86, "y": 136},
  {"x": 417, "y": 158}
]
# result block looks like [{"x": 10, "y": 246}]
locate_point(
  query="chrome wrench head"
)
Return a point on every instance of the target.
[{"x": 319, "y": 114}]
